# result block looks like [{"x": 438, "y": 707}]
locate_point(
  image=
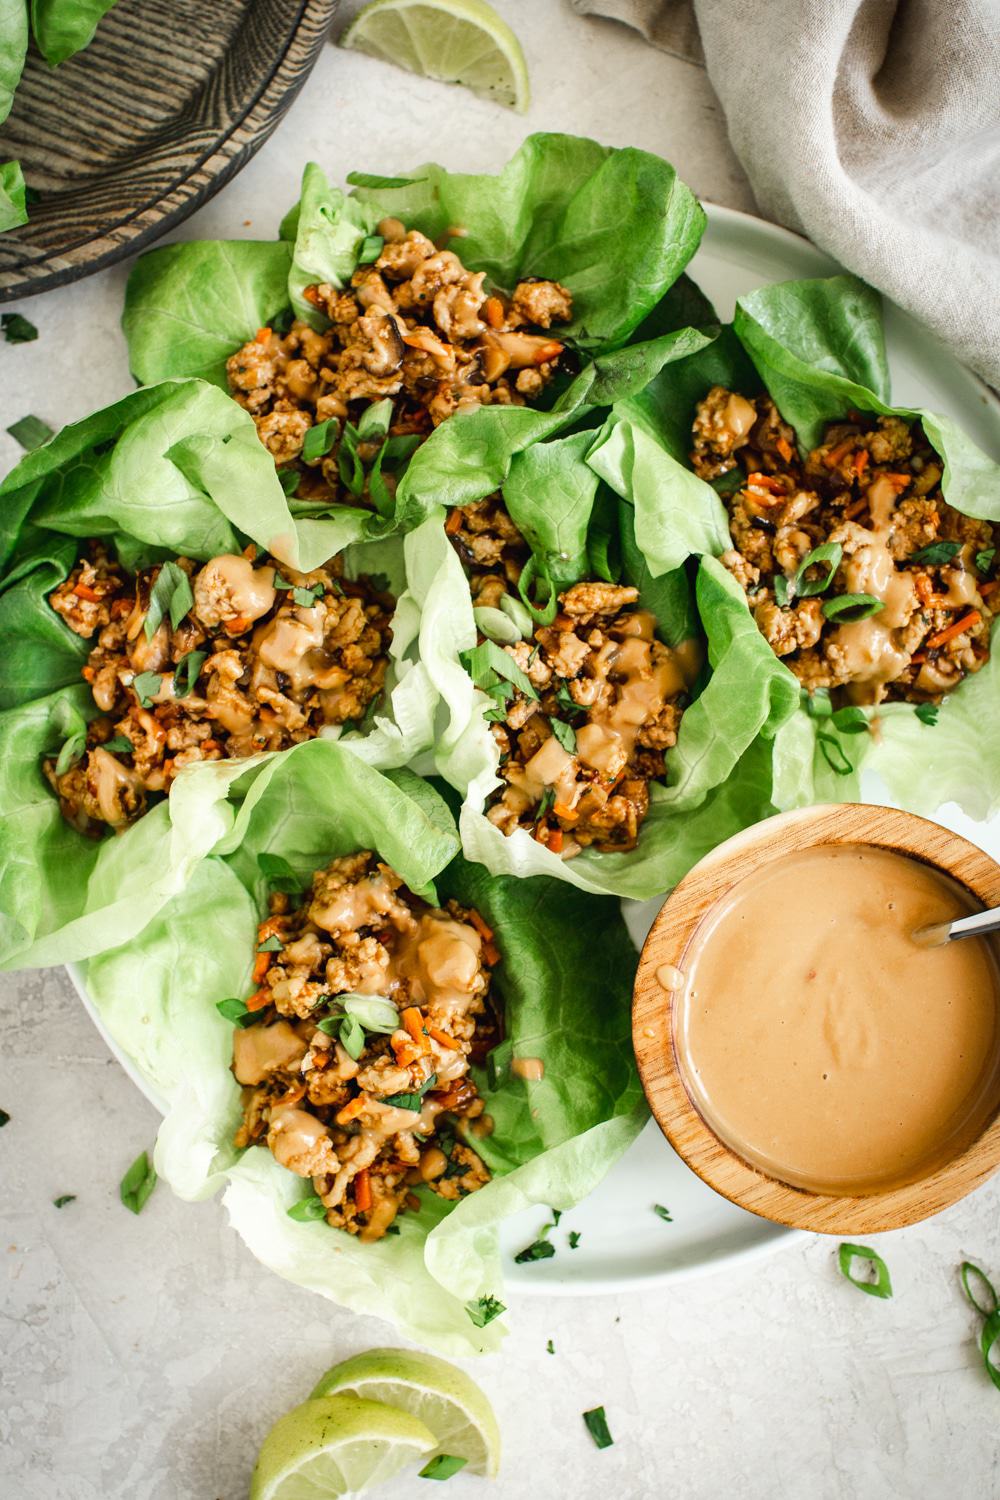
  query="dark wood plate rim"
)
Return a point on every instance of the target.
[{"x": 307, "y": 33}]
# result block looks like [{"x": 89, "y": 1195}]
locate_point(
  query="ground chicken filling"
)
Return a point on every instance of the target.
[
  {"x": 368, "y": 1115},
  {"x": 209, "y": 662},
  {"x": 899, "y": 603},
  {"x": 414, "y": 327},
  {"x": 595, "y": 703}
]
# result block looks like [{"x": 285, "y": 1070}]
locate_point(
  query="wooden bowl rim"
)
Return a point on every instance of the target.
[{"x": 689, "y": 1134}]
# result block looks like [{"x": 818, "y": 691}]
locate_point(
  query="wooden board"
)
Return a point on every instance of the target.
[
  {"x": 653, "y": 1021},
  {"x": 126, "y": 139}
]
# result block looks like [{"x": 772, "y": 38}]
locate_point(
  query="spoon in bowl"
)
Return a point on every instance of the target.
[{"x": 939, "y": 933}]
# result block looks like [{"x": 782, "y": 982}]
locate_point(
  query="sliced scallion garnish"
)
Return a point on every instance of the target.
[
  {"x": 852, "y": 607},
  {"x": 972, "y": 1277},
  {"x": 878, "y": 1286},
  {"x": 597, "y": 1425}
]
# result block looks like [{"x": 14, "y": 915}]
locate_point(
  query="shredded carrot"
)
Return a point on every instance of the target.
[
  {"x": 454, "y": 521},
  {"x": 855, "y": 508},
  {"x": 442, "y": 1038},
  {"x": 88, "y": 674},
  {"x": 491, "y": 954},
  {"x": 956, "y": 628},
  {"x": 262, "y": 335},
  {"x": 84, "y": 591},
  {"x": 861, "y": 461},
  {"x": 406, "y": 1051},
  {"x": 493, "y": 311},
  {"x": 898, "y": 481},
  {"x": 237, "y": 626},
  {"x": 841, "y": 450},
  {"x": 269, "y": 926},
  {"x": 555, "y": 840},
  {"x": 363, "y": 1191},
  {"x": 261, "y": 964},
  {"x": 211, "y": 745},
  {"x": 784, "y": 447},
  {"x": 562, "y": 622},
  {"x": 551, "y": 350},
  {"x": 485, "y": 932},
  {"x": 321, "y": 1058},
  {"x": 311, "y": 294},
  {"x": 922, "y": 584},
  {"x": 413, "y": 1021},
  {"x": 986, "y": 589},
  {"x": 352, "y": 1109},
  {"x": 566, "y": 813},
  {"x": 294, "y": 1094},
  {"x": 770, "y": 482},
  {"x": 259, "y": 999}
]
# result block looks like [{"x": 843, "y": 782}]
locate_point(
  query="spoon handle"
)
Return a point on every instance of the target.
[{"x": 975, "y": 926}]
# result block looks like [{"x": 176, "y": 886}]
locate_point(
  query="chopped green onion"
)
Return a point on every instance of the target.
[
  {"x": 547, "y": 803},
  {"x": 927, "y": 713},
  {"x": 850, "y": 721},
  {"x": 31, "y": 433},
  {"x": 137, "y": 1184},
  {"x": 319, "y": 440},
  {"x": 371, "y": 249},
  {"x": 539, "y": 1250},
  {"x": 550, "y": 1347},
  {"x": 853, "y": 606},
  {"x": 62, "y": 1201},
  {"x": 171, "y": 594},
  {"x": 518, "y": 615},
  {"x": 16, "y": 329},
  {"x": 349, "y": 463},
  {"x": 597, "y": 1425},
  {"x": 496, "y": 625},
  {"x": 937, "y": 554},
  {"x": 834, "y": 754},
  {"x": 4, "y": 1118},
  {"x": 881, "y": 1285},
  {"x": 374, "y": 1012},
  {"x": 487, "y": 661},
  {"x": 484, "y": 1309},
  {"x": 147, "y": 685},
  {"x": 970, "y": 1273},
  {"x": 236, "y": 1011},
  {"x": 443, "y": 1466},
  {"x": 187, "y": 671},
  {"x": 71, "y": 751},
  {"x": 662, "y": 1213},
  {"x": 830, "y": 553},
  {"x": 375, "y": 419},
  {"x": 564, "y": 733},
  {"x": 532, "y": 570},
  {"x": 566, "y": 701},
  {"x": 307, "y": 1209},
  {"x": 352, "y": 1037},
  {"x": 414, "y": 1100},
  {"x": 728, "y": 483},
  {"x": 782, "y": 590},
  {"x": 289, "y": 479},
  {"x": 988, "y": 1337}
]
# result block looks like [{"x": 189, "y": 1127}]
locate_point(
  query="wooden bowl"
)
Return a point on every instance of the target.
[
  {"x": 123, "y": 141},
  {"x": 653, "y": 1020}
]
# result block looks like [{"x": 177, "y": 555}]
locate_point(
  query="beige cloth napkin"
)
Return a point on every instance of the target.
[{"x": 873, "y": 127}]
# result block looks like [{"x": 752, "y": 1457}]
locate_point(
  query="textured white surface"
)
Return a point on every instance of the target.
[{"x": 144, "y": 1358}]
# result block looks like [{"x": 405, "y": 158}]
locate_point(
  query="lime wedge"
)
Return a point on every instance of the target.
[
  {"x": 439, "y": 1394},
  {"x": 336, "y": 1446},
  {"x": 454, "y": 41}
]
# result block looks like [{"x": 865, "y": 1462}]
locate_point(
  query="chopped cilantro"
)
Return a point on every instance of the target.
[
  {"x": 937, "y": 554},
  {"x": 306, "y": 597},
  {"x": 484, "y": 1309},
  {"x": 565, "y": 734},
  {"x": 488, "y": 661},
  {"x": 412, "y": 1101},
  {"x": 4, "y": 1118},
  {"x": 236, "y": 1011},
  {"x": 927, "y": 713},
  {"x": 16, "y": 329},
  {"x": 187, "y": 671},
  {"x": 170, "y": 595},
  {"x": 119, "y": 744},
  {"x": 62, "y": 1201},
  {"x": 147, "y": 685},
  {"x": 574, "y": 1238},
  {"x": 662, "y": 1213}
]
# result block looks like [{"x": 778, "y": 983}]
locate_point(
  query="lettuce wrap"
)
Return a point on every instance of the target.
[
  {"x": 578, "y": 529},
  {"x": 171, "y": 469},
  {"x": 817, "y": 347},
  {"x": 614, "y": 226},
  {"x": 564, "y": 979}
]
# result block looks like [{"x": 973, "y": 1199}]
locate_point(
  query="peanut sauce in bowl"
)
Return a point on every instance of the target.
[{"x": 803, "y": 1052}]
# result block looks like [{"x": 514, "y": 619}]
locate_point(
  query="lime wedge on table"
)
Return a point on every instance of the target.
[
  {"x": 454, "y": 41},
  {"x": 438, "y": 1393},
  {"x": 336, "y": 1446}
]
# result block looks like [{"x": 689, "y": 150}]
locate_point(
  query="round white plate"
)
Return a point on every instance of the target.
[{"x": 623, "y": 1243}]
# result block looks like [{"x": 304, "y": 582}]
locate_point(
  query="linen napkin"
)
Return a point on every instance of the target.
[{"x": 872, "y": 127}]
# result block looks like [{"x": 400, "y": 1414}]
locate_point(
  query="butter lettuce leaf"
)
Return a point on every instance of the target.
[
  {"x": 564, "y": 980},
  {"x": 174, "y": 469}
]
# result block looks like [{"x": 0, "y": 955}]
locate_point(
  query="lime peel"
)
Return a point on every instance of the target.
[
  {"x": 336, "y": 1446},
  {"x": 451, "y": 41},
  {"x": 438, "y": 1393}
]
